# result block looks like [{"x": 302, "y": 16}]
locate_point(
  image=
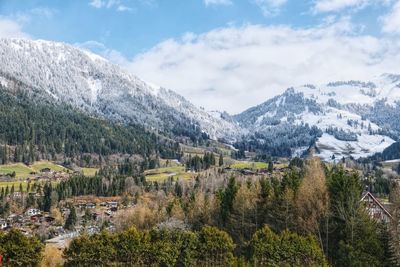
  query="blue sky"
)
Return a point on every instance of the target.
[
  {"x": 133, "y": 26},
  {"x": 222, "y": 54}
]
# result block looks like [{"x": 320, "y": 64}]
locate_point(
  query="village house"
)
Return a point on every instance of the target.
[
  {"x": 375, "y": 208},
  {"x": 90, "y": 205},
  {"x": 33, "y": 212},
  {"x": 81, "y": 205},
  {"x": 112, "y": 204},
  {"x": 45, "y": 170}
]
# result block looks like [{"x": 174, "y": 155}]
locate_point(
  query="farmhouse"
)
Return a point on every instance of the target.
[
  {"x": 33, "y": 212},
  {"x": 90, "y": 205},
  {"x": 112, "y": 204},
  {"x": 375, "y": 208},
  {"x": 45, "y": 170}
]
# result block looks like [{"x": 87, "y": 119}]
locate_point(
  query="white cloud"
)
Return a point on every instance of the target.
[
  {"x": 391, "y": 22},
  {"x": 123, "y": 8},
  {"x": 97, "y": 3},
  {"x": 322, "y": 6},
  {"x": 217, "y": 2},
  {"x": 11, "y": 29},
  {"x": 11, "y": 26},
  {"x": 270, "y": 7},
  {"x": 117, "y": 4},
  {"x": 234, "y": 68},
  {"x": 336, "y": 5}
]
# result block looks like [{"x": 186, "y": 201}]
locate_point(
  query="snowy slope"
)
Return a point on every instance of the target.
[
  {"x": 356, "y": 118},
  {"x": 92, "y": 84}
]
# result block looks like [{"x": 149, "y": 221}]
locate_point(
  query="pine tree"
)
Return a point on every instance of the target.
[
  {"x": 71, "y": 219},
  {"x": 227, "y": 197},
  {"x": 47, "y": 189}
]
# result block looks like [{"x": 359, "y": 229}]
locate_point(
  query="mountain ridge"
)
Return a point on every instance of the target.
[
  {"x": 93, "y": 84},
  {"x": 342, "y": 118},
  {"x": 350, "y": 114}
]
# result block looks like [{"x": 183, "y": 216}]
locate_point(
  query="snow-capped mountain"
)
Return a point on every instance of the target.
[
  {"x": 340, "y": 118},
  {"x": 91, "y": 83},
  {"x": 354, "y": 118}
]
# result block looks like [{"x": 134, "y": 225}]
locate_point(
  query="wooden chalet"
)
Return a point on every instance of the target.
[{"x": 375, "y": 208}]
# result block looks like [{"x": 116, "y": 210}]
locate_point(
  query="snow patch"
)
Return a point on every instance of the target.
[
  {"x": 367, "y": 145},
  {"x": 95, "y": 87},
  {"x": 3, "y": 81}
]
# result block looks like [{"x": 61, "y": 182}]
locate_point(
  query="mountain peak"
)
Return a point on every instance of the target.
[
  {"x": 93, "y": 84},
  {"x": 348, "y": 114}
]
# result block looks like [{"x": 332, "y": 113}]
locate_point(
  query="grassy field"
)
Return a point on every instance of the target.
[
  {"x": 255, "y": 165},
  {"x": 161, "y": 174},
  {"x": 23, "y": 171},
  {"x": 89, "y": 171},
  {"x": 249, "y": 165},
  {"x": 20, "y": 169},
  {"x": 37, "y": 166}
]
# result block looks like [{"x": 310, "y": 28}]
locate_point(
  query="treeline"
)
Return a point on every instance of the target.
[
  {"x": 309, "y": 210},
  {"x": 109, "y": 181},
  {"x": 317, "y": 201},
  {"x": 309, "y": 199},
  {"x": 33, "y": 129},
  {"x": 97, "y": 185},
  {"x": 278, "y": 141},
  {"x": 389, "y": 153},
  {"x": 197, "y": 163},
  {"x": 179, "y": 247},
  {"x": 341, "y": 135}
]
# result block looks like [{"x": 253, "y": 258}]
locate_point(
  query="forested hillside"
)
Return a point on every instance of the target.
[
  {"x": 390, "y": 153},
  {"x": 35, "y": 128},
  {"x": 90, "y": 83}
]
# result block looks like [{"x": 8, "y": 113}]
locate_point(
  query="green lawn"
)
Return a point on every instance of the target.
[
  {"x": 20, "y": 169},
  {"x": 249, "y": 164},
  {"x": 39, "y": 165},
  {"x": 23, "y": 171},
  {"x": 166, "y": 172}
]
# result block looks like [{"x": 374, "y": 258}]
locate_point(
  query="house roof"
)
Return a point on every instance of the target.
[{"x": 377, "y": 202}]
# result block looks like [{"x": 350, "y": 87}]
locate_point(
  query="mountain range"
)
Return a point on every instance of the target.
[{"x": 340, "y": 119}]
